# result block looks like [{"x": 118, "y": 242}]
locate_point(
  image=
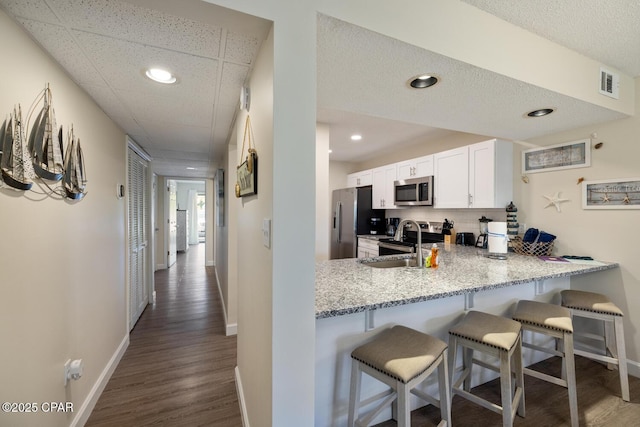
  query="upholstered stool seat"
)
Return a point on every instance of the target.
[
  {"x": 401, "y": 358},
  {"x": 554, "y": 321},
  {"x": 597, "y": 306},
  {"x": 496, "y": 336}
]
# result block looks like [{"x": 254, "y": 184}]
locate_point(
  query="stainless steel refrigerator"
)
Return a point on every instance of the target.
[{"x": 351, "y": 217}]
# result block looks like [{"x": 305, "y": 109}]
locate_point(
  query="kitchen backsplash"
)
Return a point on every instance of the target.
[{"x": 463, "y": 219}]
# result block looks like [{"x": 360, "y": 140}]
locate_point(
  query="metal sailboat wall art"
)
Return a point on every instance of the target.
[
  {"x": 16, "y": 164},
  {"x": 44, "y": 145},
  {"x": 41, "y": 156},
  {"x": 74, "y": 180}
]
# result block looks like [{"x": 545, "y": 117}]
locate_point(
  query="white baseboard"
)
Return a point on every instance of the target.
[
  {"x": 90, "y": 402},
  {"x": 210, "y": 264},
  {"x": 162, "y": 266},
  {"x": 633, "y": 368},
  {"x": 230, "y": 329},
  {"x": 243, "y": 407}
]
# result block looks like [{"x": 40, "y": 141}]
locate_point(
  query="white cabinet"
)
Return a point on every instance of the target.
[
  {"x": 367, "y": 248},
  {"x": 383, "y": 187},
  {"x": 490, "y": 174},
  {"x": 359, "y": 179},
  {"x": 182, "y": 235},
  {"x": 415, "y": 168},
  {"x": 475, "y": 176},
  {"x": 451, "y": 179}
]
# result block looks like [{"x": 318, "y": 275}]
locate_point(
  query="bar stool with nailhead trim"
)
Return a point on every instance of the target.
[
  {"x": 597, "y": 306},
  {"x": 402, "y": 358},
  {"x": 554, "y": 321},
  {"x": 497, "y": 336}
]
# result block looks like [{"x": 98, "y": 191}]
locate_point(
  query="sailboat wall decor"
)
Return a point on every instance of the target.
[
  {"x": 41, "y": 156},
  {"x": 74, "y": 180},
  {"x": 44, "y": 145},
  {"x": 16, "y": 165}
]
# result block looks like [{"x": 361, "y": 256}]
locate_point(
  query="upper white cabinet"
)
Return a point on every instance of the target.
[
  {"x": 360, "y": 179},
  {"x": 415, "y": 168},
  {"x": 476, "y": 176},
  {"x": 383, "y": 187},
  {"x": 451, "y": 178}
]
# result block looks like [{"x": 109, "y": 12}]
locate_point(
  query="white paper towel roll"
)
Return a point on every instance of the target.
[{"x": 498, "y": 240}]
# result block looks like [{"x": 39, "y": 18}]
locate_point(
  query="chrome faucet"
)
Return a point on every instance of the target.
[{"x": 398, "y": 238}]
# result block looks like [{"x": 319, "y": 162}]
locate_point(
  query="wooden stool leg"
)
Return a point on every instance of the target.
[
  {"x": 404, "y": 412},
  {"x": 505, "y": 388},
  {"x": 519, "y": 376},
  {"x": 354, "y": 400},
  {"x": 570, "y": 369},
  {"x": 453, "y": 346},
  {"x": 622, "y": 358},
  {"x": 467, "y": 356},
  {"x": 610, "y": 342},
  {"x": 445, "y": 391}
]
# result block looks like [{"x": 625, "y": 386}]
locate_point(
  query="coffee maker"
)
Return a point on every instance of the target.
[
  {"x": 392, "y": 226},
  {"x": 377, "y": 225}
]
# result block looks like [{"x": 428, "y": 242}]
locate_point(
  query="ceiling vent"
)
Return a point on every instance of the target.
[{"x": 609, "y": 84}]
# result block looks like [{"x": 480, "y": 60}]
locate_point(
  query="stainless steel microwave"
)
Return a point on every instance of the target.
[{"x": 414, "y": 192}]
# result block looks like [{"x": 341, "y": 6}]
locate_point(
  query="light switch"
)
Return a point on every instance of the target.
[{"x": 266, "y": 233}]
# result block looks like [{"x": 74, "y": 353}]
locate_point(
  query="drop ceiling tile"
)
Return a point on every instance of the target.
[
  {"x": 123, "y": 64},
  {"x": 146, "y": 26},
  {"x": 30, "y": 9},
  {"x": 241, "y": 48},
  {"x": 59, "y": 43},
  {"x": 224, "y": 118},
  {"x": 179, "y": 137},
  {"x": 233, "y": 77}
]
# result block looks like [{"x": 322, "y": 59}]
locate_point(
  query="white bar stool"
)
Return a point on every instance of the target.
[
  {"x": 497, "y": 336},
  {"x": 554, "y": 321},
  {"x": 402, "y": 358},
  {"x": 597, "y": 306}
]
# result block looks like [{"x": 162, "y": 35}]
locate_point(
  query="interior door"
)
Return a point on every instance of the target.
[
  {"x": 173, "y": 223},
  {"x": 138, "y": 220}
]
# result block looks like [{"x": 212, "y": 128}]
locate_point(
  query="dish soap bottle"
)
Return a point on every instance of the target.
[{"x": 434, "y": 256}]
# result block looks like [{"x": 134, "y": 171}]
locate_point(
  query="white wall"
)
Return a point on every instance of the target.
[
  {"x": 451, "y": 28},
  {"x": 62, "y": 263},
  {"x": 603, "y": 234},
  {"x": 255, "y": 262}
]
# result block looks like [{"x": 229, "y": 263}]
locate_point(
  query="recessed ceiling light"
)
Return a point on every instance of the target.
[
  {"x": 330, "y": 151},
  {"x": 161, "y": 76},
  {"x": 190, "y": 168},
  {"x": 423, "y": 81},
  {"x": 356, "y": 137},
  {"x": 541, "y": 112}
]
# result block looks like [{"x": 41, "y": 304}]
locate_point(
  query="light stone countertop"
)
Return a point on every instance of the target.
[{"x": 346, "y": 286}]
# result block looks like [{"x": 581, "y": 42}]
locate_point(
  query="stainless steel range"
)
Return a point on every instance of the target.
[{"x": 431, "y": 232}]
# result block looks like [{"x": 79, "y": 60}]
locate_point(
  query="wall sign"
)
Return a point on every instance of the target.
[
  {"x": 576, "y": 154},
  {"x": 611, "y": 194}
]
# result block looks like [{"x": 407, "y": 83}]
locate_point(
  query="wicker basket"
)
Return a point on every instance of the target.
[{"x": 532, "y": 249}]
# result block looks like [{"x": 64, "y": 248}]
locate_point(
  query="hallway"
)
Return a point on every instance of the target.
[{"x": 178, "y": 368}]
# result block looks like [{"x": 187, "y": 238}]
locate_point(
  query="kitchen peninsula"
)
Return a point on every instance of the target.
[{"x": 354, "y": 301}]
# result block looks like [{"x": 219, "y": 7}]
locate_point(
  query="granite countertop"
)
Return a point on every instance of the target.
[{"x": 347, "y": 286}]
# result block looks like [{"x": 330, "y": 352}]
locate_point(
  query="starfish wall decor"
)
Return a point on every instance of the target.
[{"x": 555, "y": 200}]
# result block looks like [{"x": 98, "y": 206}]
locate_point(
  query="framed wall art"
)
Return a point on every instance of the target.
[
  {"x": 575, "y": 154},
  {"x": 611, "y": 194}
]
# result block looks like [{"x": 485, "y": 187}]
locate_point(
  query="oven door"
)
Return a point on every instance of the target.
[{"x": 385, "y": 248}]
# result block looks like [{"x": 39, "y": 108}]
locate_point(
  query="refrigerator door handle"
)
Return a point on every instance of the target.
[{"x": 339, "y": 220}]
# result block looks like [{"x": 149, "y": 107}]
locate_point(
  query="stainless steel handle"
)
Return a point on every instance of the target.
[
  {"x": 339, "y": 220},
  {"x": 400, "y": 248}
]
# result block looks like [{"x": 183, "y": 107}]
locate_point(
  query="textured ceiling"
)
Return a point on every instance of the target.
[{"x": 105, "y": 45}]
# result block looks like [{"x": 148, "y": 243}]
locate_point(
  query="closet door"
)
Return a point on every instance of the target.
[{"x": 138, "y": 213}]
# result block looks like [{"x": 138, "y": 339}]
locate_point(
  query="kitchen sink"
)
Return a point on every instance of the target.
[{"x": 392, "y": 263}]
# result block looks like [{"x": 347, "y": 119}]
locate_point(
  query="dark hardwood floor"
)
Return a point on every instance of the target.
[
  {"x": 178, "y": 369},
  {"x": 547, "y": 405}
]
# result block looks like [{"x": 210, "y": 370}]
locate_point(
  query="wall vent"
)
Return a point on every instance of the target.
[{"x": 609, "y": 83}]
